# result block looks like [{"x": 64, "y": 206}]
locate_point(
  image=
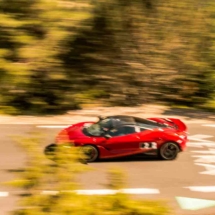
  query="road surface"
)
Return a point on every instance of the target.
[{"x": 187, "y": 183}]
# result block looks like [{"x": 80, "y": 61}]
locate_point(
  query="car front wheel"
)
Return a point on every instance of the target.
[
  {"x": 169, "y": 151},
  {"x": 90, "y": 153},
  {"x": 50, "y": 151}
]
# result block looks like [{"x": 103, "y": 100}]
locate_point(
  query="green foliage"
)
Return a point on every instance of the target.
[
  {"x": 32, "y": 78},
  {"x": 140, "y": 51},
  {"x": 55, "y": 55},
  {"x": 59, "y": 180}
]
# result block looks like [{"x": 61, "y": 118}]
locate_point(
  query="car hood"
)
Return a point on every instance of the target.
[{"x": 72, "y": 132}]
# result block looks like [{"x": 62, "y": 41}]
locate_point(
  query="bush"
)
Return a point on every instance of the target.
[{"x": 60, "y": 180}]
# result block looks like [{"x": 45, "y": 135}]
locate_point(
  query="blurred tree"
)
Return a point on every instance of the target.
[
  {"x": 142, "y": 51},
  {"x": 56, "y": 55},
  {"x": 193, "y": 81},
  {"x": 35, "y": 80}
]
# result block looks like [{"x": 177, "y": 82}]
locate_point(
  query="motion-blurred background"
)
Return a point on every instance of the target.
[{"x": 58, "y": 55}]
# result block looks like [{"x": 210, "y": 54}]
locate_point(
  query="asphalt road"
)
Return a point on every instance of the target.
[{"x": 187, "y": 183}]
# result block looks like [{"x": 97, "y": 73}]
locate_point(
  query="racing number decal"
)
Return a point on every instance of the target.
[{"x": 149, "y": 145}]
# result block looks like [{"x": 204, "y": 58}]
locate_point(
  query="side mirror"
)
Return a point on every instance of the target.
[{"x": 107, "y": 136}]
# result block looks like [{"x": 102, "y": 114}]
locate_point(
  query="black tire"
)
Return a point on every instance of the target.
[
  {"x": 50, "y": 151},
  {"x": 169, "y": 151},
  {"x": 90, "y": 152}
]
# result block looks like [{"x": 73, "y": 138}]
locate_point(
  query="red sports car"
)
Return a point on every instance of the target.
[{"x": 121, "y": 135}]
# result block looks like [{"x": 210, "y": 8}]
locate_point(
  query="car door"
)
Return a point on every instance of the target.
[
  {"x": 125, "y": 142},
  {"x": 149, "y": 138}
]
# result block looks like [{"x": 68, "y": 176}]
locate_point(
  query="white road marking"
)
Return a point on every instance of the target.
[
  {"x": 96, "y": 192},
  {"x": 52, "y": 126},
  {"x": 209, "y": 151},
  {"x": 201, "y": 144},
  {"x": 204, "y": 158},
  {"x": 209, "y": 125},
  {"x": 209, "y": 167},
  {"x": 4, "y": 194},
  {"x": 199, "y": 137},
  {"x": 140, "y": 191},
  {"x": 194, "y": 204},
  {"x": 204, "y": 189},
  {"x": 199, "y": 141},
  {"x": 107, "y": 191}
]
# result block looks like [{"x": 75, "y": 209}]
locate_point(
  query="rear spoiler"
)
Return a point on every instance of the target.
[
  {"x": 180, "y": 125},
  {"x": 177, "y": 123}
]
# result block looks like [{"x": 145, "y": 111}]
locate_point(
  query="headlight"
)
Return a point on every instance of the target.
[
  {"x": 182, "y": 136},
  {"x": 179, "y": 141}
]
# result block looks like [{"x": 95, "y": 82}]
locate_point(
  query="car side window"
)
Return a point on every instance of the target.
[
  {"x": 129, "y": 129},
  {"x": 123, "y": 130}
]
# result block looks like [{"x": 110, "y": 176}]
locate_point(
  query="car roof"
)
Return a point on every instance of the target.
[{"x": 129, "y": 120}]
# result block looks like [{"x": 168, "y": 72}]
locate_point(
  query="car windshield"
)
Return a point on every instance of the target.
[
  {"x": 99, "y": 128},
  {"x": 94, "y": 130}
]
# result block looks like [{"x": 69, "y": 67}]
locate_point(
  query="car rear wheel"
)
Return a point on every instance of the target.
[
  {"x": 169, "y": 151},
  {"x": 90, "y": 152}
]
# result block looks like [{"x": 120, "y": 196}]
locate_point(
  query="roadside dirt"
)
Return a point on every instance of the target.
[{"x": 91, "y": 115}]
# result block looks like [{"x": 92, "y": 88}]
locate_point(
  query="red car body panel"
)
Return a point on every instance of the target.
[{"x": 130, "y": 144}]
